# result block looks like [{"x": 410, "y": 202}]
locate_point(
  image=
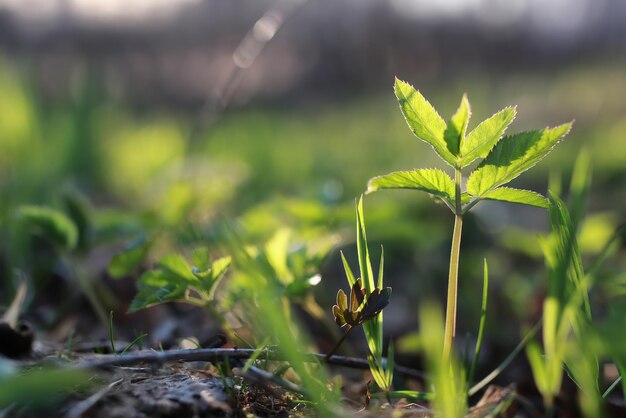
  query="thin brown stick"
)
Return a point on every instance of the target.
[
  {"x": 341, "y": 340},
  {"x": 219, "y": 354}
]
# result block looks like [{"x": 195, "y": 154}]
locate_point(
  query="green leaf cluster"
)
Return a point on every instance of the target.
[
  {"x": 288, "y": 266},
  {"x": 173, "y": 279},
  {"x": 503, "y": 157},
  {"x": 362, "y": 307}
]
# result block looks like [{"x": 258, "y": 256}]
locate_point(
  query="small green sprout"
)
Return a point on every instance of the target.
[
  {"x": 367, "y": 301},
  {"x": 174, "y": 280}
]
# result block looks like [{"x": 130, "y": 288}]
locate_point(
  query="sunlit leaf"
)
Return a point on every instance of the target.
[
  {"x": 432, "y": 181},
  {"x": 157, "y": 287},
  {"x": 454, "y": 134},
  {"x": 211, "y": 277},
  {"x": 525, "y": 197},
  {"x": 485, "y": 136},
  {"x": 365, "y": 263},
  {"x": 512, "y": 156},
  {"x": 176, "y": 266},
  {"x": 423, "y": 119}
]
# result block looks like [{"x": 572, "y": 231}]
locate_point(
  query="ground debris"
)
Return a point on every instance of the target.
[
  {"x": 177, "y": 395},
  {"x": 494, "y": 402}
]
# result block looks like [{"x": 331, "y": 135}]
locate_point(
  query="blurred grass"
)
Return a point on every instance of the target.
[{"x": 323, "y": 150}]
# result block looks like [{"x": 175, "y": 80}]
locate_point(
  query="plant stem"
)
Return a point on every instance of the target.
[
  {"x": 341, "y": 340},
  {"x": 453, "y": 276}
]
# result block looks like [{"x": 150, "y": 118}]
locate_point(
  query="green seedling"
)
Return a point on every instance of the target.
[
  {"x": 174, "y": 280},
  {"x": 366, "y": 304},
  {"x": 503, "y": 159}
]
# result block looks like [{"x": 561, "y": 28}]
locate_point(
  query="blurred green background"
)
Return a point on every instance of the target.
[{"x": 168, "y": 120}]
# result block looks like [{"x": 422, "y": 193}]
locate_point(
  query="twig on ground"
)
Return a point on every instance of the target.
[{"x": 219, "y": 354}]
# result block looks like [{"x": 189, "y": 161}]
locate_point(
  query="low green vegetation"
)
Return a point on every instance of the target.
[{"x": 196, "y": 223}]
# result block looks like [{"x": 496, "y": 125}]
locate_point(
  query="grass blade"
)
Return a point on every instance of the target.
[
  {"x": 519, "y": 347},
  {"x": 483, "y": 318}
]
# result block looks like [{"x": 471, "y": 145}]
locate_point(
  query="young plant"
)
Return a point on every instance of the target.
[
  {"x": 366, "y": 305},
  {"x": 174, "y": 280},
  {"x": 503, "y": 159}
]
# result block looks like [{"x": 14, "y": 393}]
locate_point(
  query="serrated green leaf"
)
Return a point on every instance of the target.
[
  {"x": 430, "y": 180},
  {"x": 423, "y": 119},
  {"x": 157, "y": 287},
  {"x": 51, "y": 224},
  {"x": 524, "y": 197},
  {"x": 211, "y": 277},
  {"x": 147, "y": 297},
  {"x": 454, "y": 135},
  {"x": 125, "y": 262},
  {"x": 485, "y": 136},
  {"x": 512, "y": 156},
  {"x": 176, "y": 266}
]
